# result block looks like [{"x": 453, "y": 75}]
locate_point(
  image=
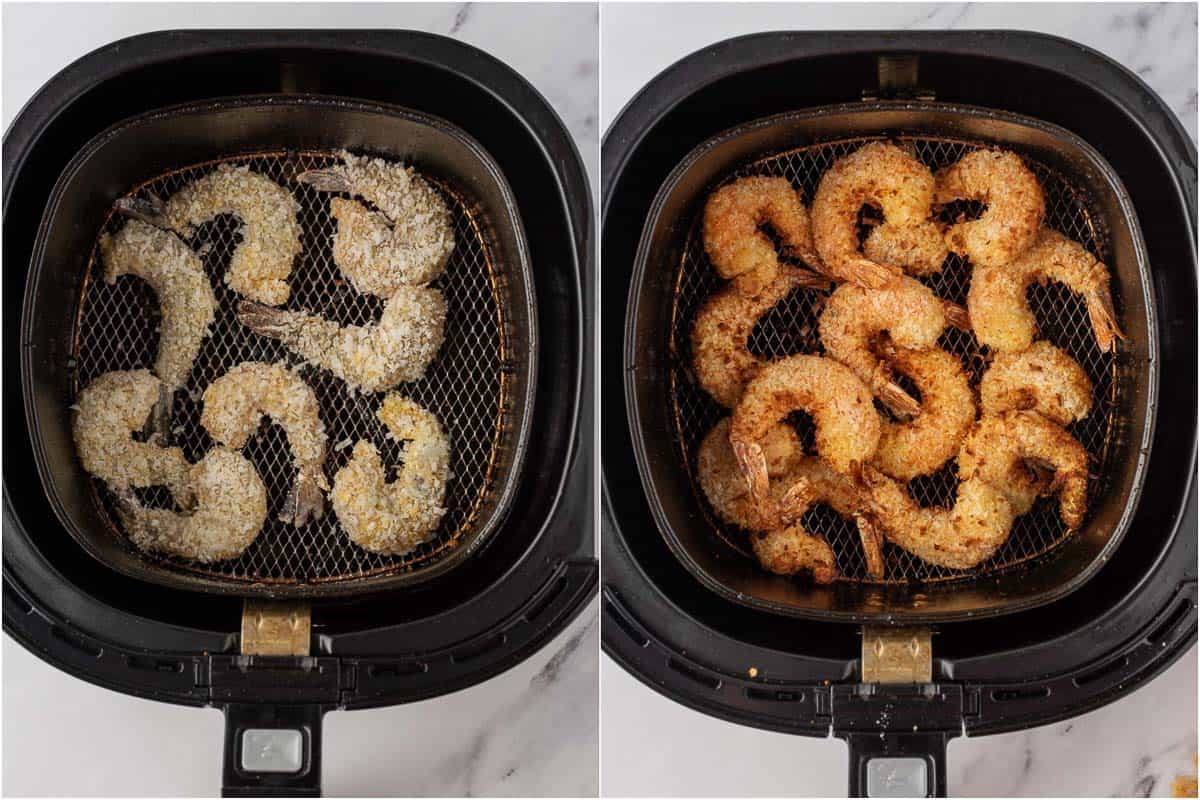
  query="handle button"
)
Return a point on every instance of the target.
[
  {"x": 272, "y": 750},
  {"x": 897, "y": 777}
]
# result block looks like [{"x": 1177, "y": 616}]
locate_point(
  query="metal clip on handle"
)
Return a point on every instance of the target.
[{"x": 898, "y": 79}]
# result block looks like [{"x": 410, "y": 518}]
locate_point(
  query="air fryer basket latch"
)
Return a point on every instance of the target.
[
  {"x": 276, "y": 629},
  {"x": 896, "y": 655},
  {"x": 898, "y": 75}
]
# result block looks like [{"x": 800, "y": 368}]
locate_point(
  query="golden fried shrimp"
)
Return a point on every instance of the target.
[
  {"x": 959, "y": 538},
  {"x": 883, "y": 175},
  {"x": 109, "y": 411},
  {"x": 922, "y": 445},
  {"x": 375, "y": 357},
  {"x": 1042, "y": 379},
  {"x": 722, "y": 328},
  {"x": 1000, "y": 313},
  {"x": 406, "y": 241},
  {"x": 236, "y": 402},
  {"x": 906, "y": 309},
  {"x": 994, "y": 451},
  {"x": 917, "y": 249},
  {"x": 1015, "y": 206},
  {"x": 185, "y": 299},
  {"x": 231, "y": 507},
  {"x": 262, "y": 262},
  {"x": 847, "y": 425},
  {"x": 781, "y": 543},
  {"x": 395, "y": 517},
  {"x": 736, "y": 246}
]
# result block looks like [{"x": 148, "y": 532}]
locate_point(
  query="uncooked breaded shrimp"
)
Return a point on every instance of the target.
[
  {"x": 916, "y": 249},
  {"x": 878, "y": 174},
  {"x": 262, "y": 261},
  {"x": 995, "y": 449},
  {"x": 906, "y": 309},
  {"x": 395, "y": 517},
  {"x": 960, "y": 537},
  {"x": 185, "y": 299},
  {"x": 231, "y": 506},
  {"x": 110, "y": 409},
  {"x": 738, "y": 249},
  {"x": 1015, "y": 206},
  {"x": 236, "y": 402},
  {"x": 1042, "y": 379},
  {"x": 375, "y": 357},
  {"x": 922, "y": 445},
  {"x": 405, "y": 242},
  {"x": 847, "y": 425},
  {"x": 722, "y": 328},
  {"x": 1000, "y": 313}
]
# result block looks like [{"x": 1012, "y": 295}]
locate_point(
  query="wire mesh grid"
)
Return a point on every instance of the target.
[
  {"x": 467, "y": 385},
  {"x": 791, "y": 327}
]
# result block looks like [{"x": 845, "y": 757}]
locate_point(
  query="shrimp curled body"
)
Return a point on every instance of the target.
[
  {"x": 236, "y": 402},
  {"x": 1043, "y": 379},
  {"x": 406, "y": 243},
  {"x": 231, "y": 507},
  {"x": 882, "y": 175},
  {"x": 394, "y": 518},
  {"x": 736, "y": 246},
  {"x": 1000, "y": 312},
  {"x": 1015, "y": 206}
]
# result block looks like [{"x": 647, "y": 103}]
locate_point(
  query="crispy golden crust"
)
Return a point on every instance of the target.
[
  {"x": 1000, "y": 313},
  {"x": 1043, "y": 379},
  {"x": 922, "y": 445},
  {"x": 882, "y": 175},
  {"x": 736, "y": 246},
  {"x": 1016, "y": 206},
  {"x": 916, "y": 249}
]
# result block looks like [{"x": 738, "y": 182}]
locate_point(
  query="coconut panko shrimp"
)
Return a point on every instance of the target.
[{"x": 1043, "y": 379}]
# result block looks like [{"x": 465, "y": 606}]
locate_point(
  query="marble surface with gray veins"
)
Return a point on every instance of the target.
[
  {"x": 1133, "y": 747},
  {"x": 527, "y": 732}
]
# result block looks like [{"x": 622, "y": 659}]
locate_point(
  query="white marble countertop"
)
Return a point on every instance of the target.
[
  {"x": 655, "y": 747},
  {"x": 530, "y": 731}
]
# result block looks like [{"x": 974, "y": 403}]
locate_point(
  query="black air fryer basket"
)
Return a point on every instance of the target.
[
  {"x": 1051, "y": 626},
  {"x": 303, "y": 622}
]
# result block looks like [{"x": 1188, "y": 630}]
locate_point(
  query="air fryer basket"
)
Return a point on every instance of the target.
[
  {"x": 479, "y": 385},
  {"x": 1040, "y": 560}
]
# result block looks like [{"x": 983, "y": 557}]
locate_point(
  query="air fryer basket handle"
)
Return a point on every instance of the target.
[
  {"x": 272, "y": 750},
  {"x": 897, "y": 764}
]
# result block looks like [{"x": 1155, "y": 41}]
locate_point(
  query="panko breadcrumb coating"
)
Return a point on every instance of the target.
[
  {"x": 394, "y": 518},
  {"x": 262, "y": 262},
  {"x": 396, "y": 349},
  {"x": 1043, "y": 379},
  {"x": 234, "y": 405},
  {"x": 111, "y": 408},
  {"x": 231, "y": 506},
  {"x": 406, "y": 243}
]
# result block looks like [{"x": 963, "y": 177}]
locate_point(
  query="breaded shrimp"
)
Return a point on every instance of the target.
[
  {"x": 781, "y": 544},
  {"x": 917, "y": 249},
  {"x": 110, "y": 409},
  {"x": 994, "y": 450},
  {"x": 262, "y": 262},
  {"x": 922, "y": 445},
  {"x": 736, "y": 246},
  {"x": 883, "y": 175},
  {"x": 406, "y": 241},
  {"x": 722, "y": 328},
  {"x": 185, "y": 299},
  {"x": 236, "y": 402},
  {"x": 395, "y": 517},
  {"x": 1000, "y": 313},
  {"x": 375, "y": 357},
  {"x": 1016, "y": 206},
  {"x": 960, "y": 537},
  {"x": 847, "y": 425},
  {"x": 906, "y": 309},
  {"x": 1042, "y": 379},
  {"x": 231, "y": 506}
]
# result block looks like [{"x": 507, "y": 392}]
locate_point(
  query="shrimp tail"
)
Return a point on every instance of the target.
[
  {"x": 795, "y": 501},
  {"x": 1104, "y": 319},
  {"x": 305, "y": 501},
  {"x": 262, "y": 319},
  {"x": 158, "y": 424},
  {"x": 752, "y": 462},
  {"x": 872, "y": 544},
  {"x": 151, "y": 209},
  {"x": 864, "y": 272},
  {"x": 898, "y": 401},
  {"x": 325, "y": 180},
  {"x": 956, "y": 315},
  {"x": 809, "y": 279}
]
